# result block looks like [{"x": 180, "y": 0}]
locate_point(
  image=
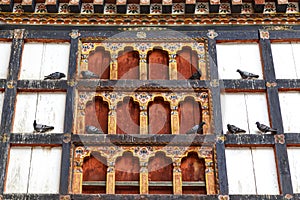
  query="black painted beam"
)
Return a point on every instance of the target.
[
  {"x": 217, "y": 117},
  {"x": 69, "y": 114},
  {"x": 150, "y": 139},
  {"x": 249, "y": 140},
  {"x": 288, "y": 84},
  {"x": 41, "y": 34},
  {"x": 36, "y": 139},
  {"x": 244, "y": 85},
  {"x": 276, "y": 118},
  {"x": 9, "y": 100},
  {"x": 53, "y": 85}
]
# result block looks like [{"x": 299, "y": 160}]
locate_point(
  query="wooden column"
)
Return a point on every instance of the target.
[
  {"x": 69, "y": 110},
  {"x": 143, "y": 119},
  {"x": 112, "y": 119},
  {"x": 177, "y": 177},
  {"x": 174, "y": 119},
  {"x": 210, "y": 176},
  {"x": 172, "y": 66},
  {"x": 110, "y": 177},
  {"x": 9, "y": 101},
  {"x": 143, "y": 66},
  {"x": 113, "y": 69},
  {"x": 217, "y": 116},
  {"x": 144, "y": 181},
  {"x": 275, "y": 114}
]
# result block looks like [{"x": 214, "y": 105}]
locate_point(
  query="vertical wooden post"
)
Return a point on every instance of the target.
[
  {"x": 209, "y": 176},
  {"x": 143, "y": 67},
  {"x": 174, "y": 119},
  {"x": 144, "y": 182},
  {"x": 112, "y": 119},
  {"x": 177, "y": 177},
  {"x": 173, "y": 66},
  {"x": 113, "y": 70},
  {"x": 143, "y": 119},
  {"x": 110, "y": 178}
]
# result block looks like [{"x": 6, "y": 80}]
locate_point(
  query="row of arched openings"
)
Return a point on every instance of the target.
[
  {"x": 157, "y": 61},
  {"x": 160, "y": 169},
  {"x": 128, "y": 115}
]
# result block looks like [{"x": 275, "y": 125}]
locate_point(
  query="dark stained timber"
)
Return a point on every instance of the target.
[
  {"x": 36, "y": 139},
  {"x": 243, "y": 84},
  {"x": 249, "y": 139},
  {"x": 42, "y": 85}
]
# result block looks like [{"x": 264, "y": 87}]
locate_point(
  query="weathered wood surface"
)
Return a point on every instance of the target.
[
  {"x": 243, "y": 110},
  {"x": 46, "y": 108},
  {"x": 1, "y": 103},
  {"x": 5, "y": 48},
  {"x": 18, "y": 170},
  {"x": 294, "y": 161},
  {"x": 251, "y": 171},
  {"x": 44, "y": 172},
  {"x": 26, "y": 164},
  {"x": 290, "y": 111},
  {"x": 233, "y": 56},
  {"x": 42, "y": 59},
  {"x": 286, "y": 60}
]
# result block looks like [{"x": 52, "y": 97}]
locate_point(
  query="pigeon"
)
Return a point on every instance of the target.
[
  {"x": 88, "y": 74},
  {"x": 195, "y": 76},
  {"x": 233, "y": 129},
  {"x": 41, "y": 128},
  {"x": 55, "y": 75},
  {"x": 93, "y": 130},
  {"x": 247, "y": 75},
  {"x": 264, "y": 128},
  {"x": 196, "y": 129}
]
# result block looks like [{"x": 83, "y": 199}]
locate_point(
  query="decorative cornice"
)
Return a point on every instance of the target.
[{"x": 149, "y": 20}]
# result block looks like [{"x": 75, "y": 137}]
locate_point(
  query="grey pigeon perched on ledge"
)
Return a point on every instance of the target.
[
  {"x": 88, "y": 74},
  {"x": 233, "y": 129},
  {"x": 246, "y": 75},
  {"x": 93, "y": 130},
  {"x": 195, "y": 76},
  {"x": 196, "y": 129},
  {"x": 264, "y": 128},
  {"x": 41, "y": 128},
  {"x": 55, "y": 75}
]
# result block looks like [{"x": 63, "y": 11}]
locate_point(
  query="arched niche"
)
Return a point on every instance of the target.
[
  {"x": 128, "y": 117},
  {"x": 96, "y": 114},
  {"x": 128, "y": 64},
  {"x": 94, "y": 169},
  {"x": 158, "y": 64},
  {"x": 127, "y": 169},
  {"x": 160, "y": 169},
  {"x": 99, "y": 62},
  {"x": 159, "y": 116},
  {"x": 193, "y": 170},
  {"x": 187, "y": 63},
  {"x": 190, "y": 114}
]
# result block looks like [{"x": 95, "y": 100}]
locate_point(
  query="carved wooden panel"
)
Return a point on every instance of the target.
[
  {"x": 158, "y": 64},
  {"x": 4, "y": 58},
  {"x": 128, "y": 64},
  {"x": 159, "y": 117},
  {"x": 94, "y": 169},
  {"x": 189, "y": 114},
  {"x": 128, "y": 117},
  {"x": 98, "y": 62},
  {"x": 187, "y": 63},
  {"x": 96, "y": 114}
]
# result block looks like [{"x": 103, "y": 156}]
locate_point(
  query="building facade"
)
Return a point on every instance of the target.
[{"x": 159, "y": 68}]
